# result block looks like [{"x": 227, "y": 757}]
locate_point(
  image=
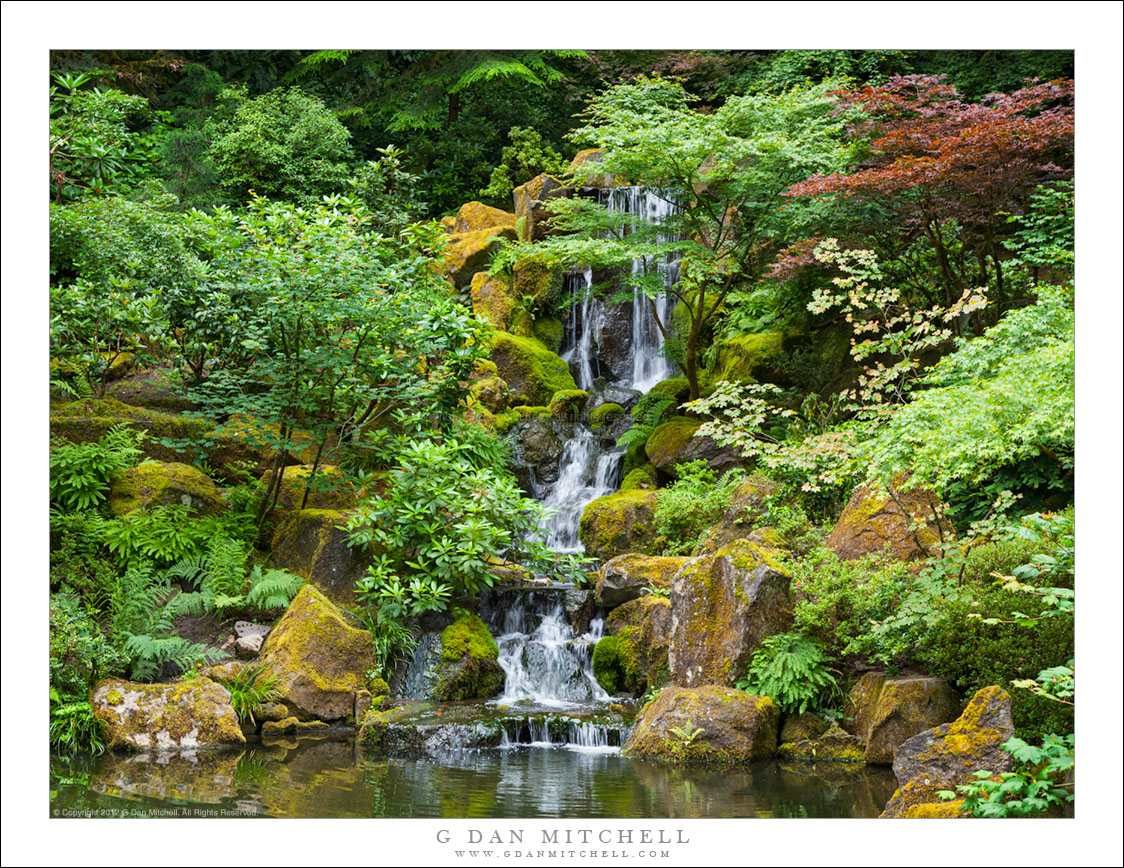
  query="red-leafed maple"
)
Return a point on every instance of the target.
[{"x": 938, "y": 162}]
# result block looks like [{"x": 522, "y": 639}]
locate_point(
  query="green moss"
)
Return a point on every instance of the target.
[
  {"x": 619, "y": 523},
  {"x": 643, "y": 477},
  {"x": 634, "y": 457},
  {"x": 468, "y": 636},
  {"x": 164, "y": 485},
  {"x": 606, "y": 414},
  {"x": 114, "y": 697},
  {"x": 378, "y": 687},
  {"x": 568, "y": 402},
  {"x": 532, "y": 372},
  {"x": 615, "y": 663},
  {"x": 550, "y": 331},
  {"x": 492, "y": 299},
  {"x": 669, "y": 440},
  {"x": 537, "y": 285},
  {"x": 739, "y": 357},
  {"x": 503, "y": 422},
  {"x": 676, "y": 387}
]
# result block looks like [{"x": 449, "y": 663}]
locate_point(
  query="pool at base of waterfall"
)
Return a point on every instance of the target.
[{"x": 335, "y": 777}]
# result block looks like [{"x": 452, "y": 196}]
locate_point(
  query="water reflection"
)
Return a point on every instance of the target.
[{"x": 335, "y": 778}]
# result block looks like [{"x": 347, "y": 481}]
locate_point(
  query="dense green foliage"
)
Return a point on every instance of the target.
[
  {"x": 793, "y": 670},
  {"x": 689, "y": 506}
]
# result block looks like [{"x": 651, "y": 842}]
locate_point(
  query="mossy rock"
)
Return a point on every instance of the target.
[
  {"x": 170, "y": 484},
  {"x": 732, "y": 726},
  {"x": 606, "y": 414},
  {"x": 627, "y": 576},
  {"x": 466, "y": 253},
  {"x": 634, "y": 656},
  {"x": 568, "y": 404},
  {"x": 531, "y": 205},
  {"x": 320, "y": 659},
  {"x": 493, "y": 300},
  {"x": 293, "y": 725},
  {"x": 474, "y": 216},
  {"x": 833, "y": 745},
  {"x": 189, "y": 714},
  {"x": 491, "y": 393},
  {"x": 327, "y": 489},
  {"x": 888, "y": 711},
  {"x": 634, "y": 457},
  {"x": 883, "y": 521},
  {"x": 641, "y": 478},
  {"x": 918, "y": 800},
  {"x": 550, "y": 331},
  {"x": 503, "y": 422},
  {"x": 537, "y": 286},
  {"x": 469, "y": 665},
  {"x": 532, "y": 372},
  {"x": 725, "y": 605},
  {"x": 675, "y": 442},
  {"x": 619, "y": 523},
  {"x": 309, "y": 542},
  {"x": 749, "y": 503},
  {"x": 803, "y": 727},
  {"x": 152, "y": 388},
  {"x": 738, "y": 359},
  {"x": 677, "y": 387},
  {"x": 588, "y": 158}
]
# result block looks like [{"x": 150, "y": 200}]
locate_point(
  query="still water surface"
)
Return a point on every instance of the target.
[{"x": 336, "y": 778}]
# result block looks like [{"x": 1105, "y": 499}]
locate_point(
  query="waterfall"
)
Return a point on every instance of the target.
[
  {"x": 585, "y": 474},
  {"x": 579, "y": 326}
]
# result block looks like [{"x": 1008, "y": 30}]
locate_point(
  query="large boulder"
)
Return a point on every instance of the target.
[
  {"x": 625, "y": 577},
  {"x": 327, "y": 488},
  {"x": 619, "y": 523},
  {"x": 532, "y": 372},
  {"x": 537, "y": 285},
  {"x": 947, "y": 756},
  {"x": 708, "y": 724},
  {"x": 309, "y": 542},
  {"x": 723, "y": 606},
  {"x": 876, "y": 521},
  {"x": 588, "y": 160},
  {"x": 467, "y": 253},
  {"x": 171, "y": 484},
  {"x": 531, "y": 205},
  {"x": 469, "y": 661},
  {"x": 885, "y": 712},
  {"x": 320, "y": 659},
  {"x": 190, "y": 714},
  {"x": 633, "y": 656},
  {"x": 675, "y": 442},
  {"x": 474, "y": 216},
  {"x": 494, "y": 301},
  {"x": 737, "y": 359}
]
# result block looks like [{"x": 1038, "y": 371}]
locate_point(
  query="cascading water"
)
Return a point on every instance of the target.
[{"x": 585, "y": 474}]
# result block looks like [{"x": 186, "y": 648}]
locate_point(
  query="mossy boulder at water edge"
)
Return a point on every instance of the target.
[
  {"x": 567, "y": 404},
  {"x": 310, "y": 543},
  {"x": 469, "y": 665},
  {"x": 320, "y": 659},
  {"x": 532, "y": 372},
  {"x": 900, "y": 521},
  {"x": 619, "y": 523},
  {"x": 705, "y": 724},
  {"x": 190, "y": 714},
  {"x": 723, "y": 606},
  {"x": 633, "y": 656},
  {"x": 885, "y": 712},
  {"x": 170, "y": 484},
  {"x": 627, "y": 576},
  {"x": 832, "y": 745},
  {"x": 948, "y": 755},
  {"x": 676, "y": 442},
  {"x": 605, "y": 414}
]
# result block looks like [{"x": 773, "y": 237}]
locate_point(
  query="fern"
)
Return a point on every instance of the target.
[
  {"x": 792, "y": 669},
  {"x": 223, "y": 585},
  {"x": 649, "y": 412},
  {"x": 273, "y": 589}
]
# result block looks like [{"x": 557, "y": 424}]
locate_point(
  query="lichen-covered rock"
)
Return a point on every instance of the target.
[
  {"x": 171, "y": 484},
  {"x": 832, "y": 745},
  {"x": 803, "y": 727},
  {"x": 531, "y": 205},
  {"x": 619, "y": 523},
  {"x": 537, "y": 285},
  {"x": 731, "y": 726},
  {"x": 474, "y": 216},
  {"x": 675, "y": 442},
  {"x": 493, "y": 300},
  {"x": 189, "y": 714},
  {"x": 588, "y": 159},
  {"x": 320, "y": 659},
  {"x": 293, "y": 725},
  {"x": 874, "y": 521},
  {"x": 723, "y": 605},
  {"x": 952, "y": 752},
  {"x": 888, "y": 711},
  {"x": 466, "y": 253},
  {"x": 626, "y": 576},
  {"x": 155, "y": 389},
  {"x": 643, "y": 477},
  {"x": 469, "y": 666},
  {"x": 633, "y": 656},
  {"x": 916, "y": 800},
  {"x": 309, "y": 542},
  {"x": 749, "y": 502},
  {"x": 532, "y": 372},
  {"x": 327, "y": 488}
]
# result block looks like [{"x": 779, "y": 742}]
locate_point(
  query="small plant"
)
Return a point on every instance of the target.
[
  {"x": 793, "y": 670},
  {"x": 225, "y": 586},
  {"x": 653, "y": 591},
  {"x": 688, "y": 507},
  {"x": 394, "y": 641},
  {"x": 650, "y": 412},
  {"x": 686, "y": 733},
  {"x": 250, "y": 688},
  {"x": 1037, "y": 785},
  {"x": 73, "y": 726},
  {"x": 81, "y": 473}
]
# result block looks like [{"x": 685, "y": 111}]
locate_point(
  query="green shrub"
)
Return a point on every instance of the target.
[
  {"x": 81, "y": 473},
  {"x": 80, "y": 652},
  {"x": 694, "y": 502},
  {"x": 73, "y": 726},
  {"x": 793, "y": 670}
]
